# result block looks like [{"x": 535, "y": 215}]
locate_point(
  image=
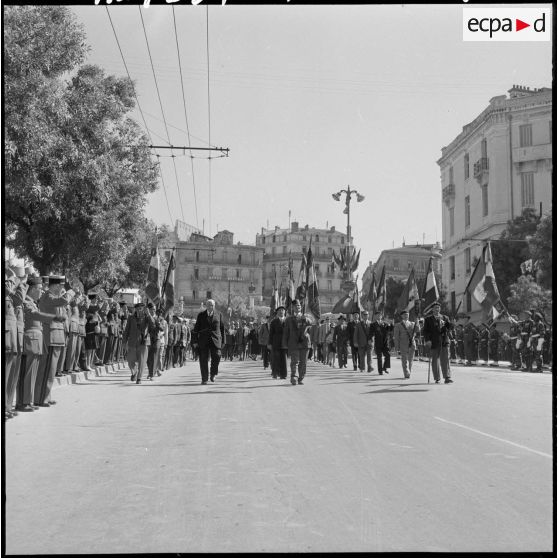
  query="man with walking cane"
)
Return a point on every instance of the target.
[{"x": 437, "y": 330}]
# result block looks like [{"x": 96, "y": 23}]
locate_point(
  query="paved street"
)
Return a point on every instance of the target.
[{"x": 347, "y": 462}]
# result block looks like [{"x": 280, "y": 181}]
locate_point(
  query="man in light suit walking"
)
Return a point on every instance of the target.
[{"x": 404, "y": 335}]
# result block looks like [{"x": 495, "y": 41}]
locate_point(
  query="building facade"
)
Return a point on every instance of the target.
[
  {"x": 281, "y": 244},
  {"x": 216, "y": 268},
  {"x": 399, "y": 261},
  {"x": 500, "y": 164}
]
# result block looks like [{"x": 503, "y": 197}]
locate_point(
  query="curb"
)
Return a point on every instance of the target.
[{"x": 87, "y": 376}]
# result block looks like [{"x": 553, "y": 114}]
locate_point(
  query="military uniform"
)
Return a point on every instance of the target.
[
  {"x": 526, "y": 343},
  {"x": 494, "y": 345},
  {"x": 483, "y": 343},
  {"x": 32, "y": 349},
  {"x": 537, "y": 341},
  {"x": 515, "y": 346},
  {"x": 11, "y": 356},
  {"x": 460, "y": 346},
  {"x": 470, "y": 340},
  {"x": 54, "y": 342}
]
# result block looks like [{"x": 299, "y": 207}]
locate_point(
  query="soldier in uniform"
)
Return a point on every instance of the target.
[
  {"x": 527, "y": 349},
  {"x": 32, "y": 344},
  {"x": 483, "y": 342},
  {"x": 380, "y": 330},
  {"x": 54, "y": 301},
  {"x": 340, "y": 340},
  {"x": 515, "y": 344},
  {"x": 460, "y": 346},
  {"x": 494, "y": 344},
  {"x": 11, "y": 356},
  {"x": 470, "y": 339},
  {"x": 72, "y": 338},
  {"x": 537, "y": 337},
  {"x": 156, "y": 332}
]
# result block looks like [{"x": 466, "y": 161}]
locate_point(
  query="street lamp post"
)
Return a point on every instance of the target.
[{"x": 347, "y": 272}]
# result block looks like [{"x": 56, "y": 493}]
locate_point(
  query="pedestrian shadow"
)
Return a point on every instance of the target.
[{"x": 394, "y": 389}]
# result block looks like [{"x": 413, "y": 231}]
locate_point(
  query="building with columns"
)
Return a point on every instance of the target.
[
  {"x": 500, "y": 164},
  {"x": 280, "y": 244}
]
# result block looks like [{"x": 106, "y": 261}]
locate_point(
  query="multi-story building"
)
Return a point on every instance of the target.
[
  {"x": 399, "y": 261},
  {"x": 500, "y": 164},
  {"x": 214, "y": 268},
  {"x": 281, "y": 244}
]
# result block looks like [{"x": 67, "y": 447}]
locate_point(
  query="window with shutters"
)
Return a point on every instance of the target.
[
  {"x": 468, "y": 260},
  {"x": 451, "y": 220},
  {"x": 467, "y": 211},
  {"x": 452, "y": 268},
  {"x": 484, "y": 190},
  {"x": 527, "y": 189},
  {"x": 466, "y": 165},
  {"x": 525, "y": 135}
]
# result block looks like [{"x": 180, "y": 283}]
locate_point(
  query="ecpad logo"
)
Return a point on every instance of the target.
[{"x": 506, "y": 24}]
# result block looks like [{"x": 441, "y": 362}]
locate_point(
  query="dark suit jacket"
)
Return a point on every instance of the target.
[
  {"x": 380, "y": 331},
  {"x": 437, "y": 330},
  {"x": 295, "y": 333},
  {"x": 207, "y": 330},
  {"x": 276, "y": 333}
]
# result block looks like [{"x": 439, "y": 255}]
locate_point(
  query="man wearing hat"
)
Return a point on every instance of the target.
[
  {"x": 275, "y": 344},
  {"x": 54, "y": 301},
  {"x": 404, "y": 337},
  {"x": 296, "y": 340},
  {"x": 32, "y": 344},
  {"x": 208, "y": 335},
  {"x": 137, "y": 338},
  {"x": 380, "y": 331},
  {"x": 359, "y": 340},
  {"x": 341, "y": 340},
  {"x": 526, "y": 349},
  {"x": 367, "y": 325},
  {"x": 437, "y": 331}
]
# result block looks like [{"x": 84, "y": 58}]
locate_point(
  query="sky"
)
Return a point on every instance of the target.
[{"x": 309, "y": 100}]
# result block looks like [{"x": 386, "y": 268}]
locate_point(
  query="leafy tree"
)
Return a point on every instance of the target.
[
  {"x": 540, "y": 247},
  {"x": 527, "y": 294},
  {"x": 78, "y": 168},
  {"x": 508, "y": 256}
]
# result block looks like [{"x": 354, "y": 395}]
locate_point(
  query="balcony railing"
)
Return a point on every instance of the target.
[
  {"x": 448, "y": 194},
  {"x": 532, "y": 153},
  {"x": 480, "y": 169}
]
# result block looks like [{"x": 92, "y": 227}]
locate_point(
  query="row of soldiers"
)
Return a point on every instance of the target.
[{"x": 52, "y": 330}]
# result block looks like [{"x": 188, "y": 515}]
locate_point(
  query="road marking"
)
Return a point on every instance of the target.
[{"x": 495, "y": 437}]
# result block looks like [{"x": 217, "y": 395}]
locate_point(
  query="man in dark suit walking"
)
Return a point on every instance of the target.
[
  {"x": 208, "y": 336},
  {"x": 436, "y": 332}
]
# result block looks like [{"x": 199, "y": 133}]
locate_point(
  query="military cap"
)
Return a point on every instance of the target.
[
  {"x": 56, "y": 279},
  {"x": 404, "y": 311},
  {"x": 436, "y": 304},
  {"x": 34, "y": 280},
  {"x": 279, "y": 308},
  {"x": 342, "y": 318}
]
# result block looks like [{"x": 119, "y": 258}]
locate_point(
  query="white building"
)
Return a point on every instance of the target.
[{"x": 500, "y": 164}]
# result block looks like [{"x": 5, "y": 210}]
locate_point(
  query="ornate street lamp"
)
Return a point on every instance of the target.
[{"x": 347, "y": 272}]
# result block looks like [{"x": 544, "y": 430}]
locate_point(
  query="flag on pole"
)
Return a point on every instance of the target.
[
  {"x": 409, "y": 295},
  {"x": 430, "y": 293},
  {"x": 168, "y": 288},
  {"x": 356, "y": 302},
  {"x": 343, "y": 305},
  {"x": 274, "y": 303},
  {"x": 482, "y": 286},
  {"x": 381, "y": 294},
  {"x": 371, "y": 299},
  {"x": 312, "y": 282},
  {"x": 153, "y": 286},
  {"x": 301, "y": 285},
  {"x": 291, "y": 291}
]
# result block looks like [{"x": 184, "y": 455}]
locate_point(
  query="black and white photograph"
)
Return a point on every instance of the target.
[{"x": 278, "y": 277}]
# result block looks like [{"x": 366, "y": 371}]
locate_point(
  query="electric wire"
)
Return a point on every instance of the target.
[
  {"x": 162, "y": 111},
  {"x": 186, "y": 117},
  {"x": 208, "y": 109},
  {"x": 141, "y": 112}
]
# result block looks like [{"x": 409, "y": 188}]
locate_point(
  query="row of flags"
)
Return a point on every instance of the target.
[
  {"x": 481, "y": 286},
  {"x": 162, "y": 297}
]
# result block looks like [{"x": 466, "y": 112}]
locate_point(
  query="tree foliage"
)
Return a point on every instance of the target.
[
  {"x": 77, "y": 167},
  {"x": 508, "y": 256},
  {"x": 527, "y": 294},
  {"x": 540, "y": 246}
]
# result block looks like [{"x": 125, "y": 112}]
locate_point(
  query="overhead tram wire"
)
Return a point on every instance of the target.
[
  {"x": 186, "y": 117},
  {"x": 208, "y": 109},
  {"x": 162, "y": 111},
  {"x": 141, "y": 112}
]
